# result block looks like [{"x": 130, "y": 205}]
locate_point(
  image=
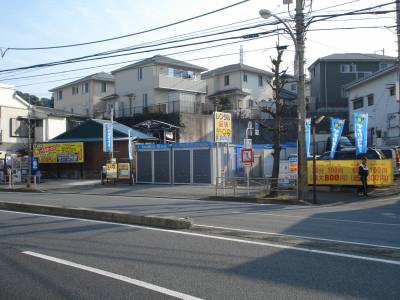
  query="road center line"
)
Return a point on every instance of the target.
[
  {"x": 320, "y": 219},
  {"x": 126, "y": 279},
  {"x": 392, "y": 262},
  {"x": 298, "y": 236}
]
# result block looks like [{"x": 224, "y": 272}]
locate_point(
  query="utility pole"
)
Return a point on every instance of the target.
[{"x": 301, "y": 103}]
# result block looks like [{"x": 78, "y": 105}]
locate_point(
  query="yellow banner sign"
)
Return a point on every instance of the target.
[
  {"x": 345, "y": 172},
  {"x": 51, "y": 153},
  {"x": 223, "y": 127}
]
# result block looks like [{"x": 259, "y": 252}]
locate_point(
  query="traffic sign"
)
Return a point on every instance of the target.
[{"x": 247, "y": 156}]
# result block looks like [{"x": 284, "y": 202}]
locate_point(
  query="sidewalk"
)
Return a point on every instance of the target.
[{"x": 325, "y": 195}]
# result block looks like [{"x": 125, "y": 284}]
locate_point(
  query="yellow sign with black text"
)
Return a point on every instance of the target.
[
  {"x": 223, "y": 127},
  {"x": 51, "y": 153},
  {"x": 345, "y": 172}
]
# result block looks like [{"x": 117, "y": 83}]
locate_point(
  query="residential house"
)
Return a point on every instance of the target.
[
  {"x": 238, "y": 88},
  {"x": 82, "y": 96},
  {"x": 157, "y": 84},
  {"x": 331, "y": 73},
  {"x": 46, "y": 123},
  {"x": 376, "y": 95}
]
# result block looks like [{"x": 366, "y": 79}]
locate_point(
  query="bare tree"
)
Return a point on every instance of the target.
[{"x": 276, "y": 111}]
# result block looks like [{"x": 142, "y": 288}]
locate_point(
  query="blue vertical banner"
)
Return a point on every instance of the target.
[
  {"x": 130, "y": 146},
  {"x": 308, "y": 136},
  {"x": 336, "y": 132},
  {"x": 107, "y": 137},
  {"x": 360, "y": 132}
]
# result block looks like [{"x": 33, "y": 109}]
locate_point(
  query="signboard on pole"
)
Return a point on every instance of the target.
[
  {"x": 51, "y": 153},
  {"x": 130, "y": 146},
  {"x": 111, "y": 170},
  {"x": 247, "y": 156},
  {"x": 223, "y": 127},
  {"x": 107, "y": 137},
  {"x": 124, "y": 171}
]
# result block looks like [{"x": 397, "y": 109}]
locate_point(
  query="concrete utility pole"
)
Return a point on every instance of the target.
[
  {"x": 398, "y": 51},
  {"x": 301, "y": 104}
]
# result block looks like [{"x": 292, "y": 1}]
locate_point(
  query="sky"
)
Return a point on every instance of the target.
[{"x": 41, "y": 23}]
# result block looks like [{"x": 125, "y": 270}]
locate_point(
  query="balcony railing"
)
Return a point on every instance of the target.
[{"x": 181, "y": 84}]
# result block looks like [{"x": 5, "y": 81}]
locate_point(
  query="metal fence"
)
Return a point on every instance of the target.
[{"x": 253, "y": 186}]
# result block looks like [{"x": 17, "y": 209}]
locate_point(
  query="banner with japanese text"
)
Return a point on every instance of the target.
[
  {"x": 223, "y": 127},
  {"x": 336, "y": 132},
  {"x": 50, "y": 153},
  {"x": 345, "y": 172},
  {"x": 360, "y": 132},
  {"x": 308, "y": 136}
]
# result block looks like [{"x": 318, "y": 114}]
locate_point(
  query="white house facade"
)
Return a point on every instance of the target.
[
  {"x": 46, "y": 122},
  {"x": 157, "y": 84},
  {"x": 241, "y": 86},
  {"x": 376, "y": 95},
  {"x": 83, "y": 96}
]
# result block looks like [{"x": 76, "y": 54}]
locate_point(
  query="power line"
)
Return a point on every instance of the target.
[
  {"x": 122, "y": 36},
  {"x": 109, "y": 54},
  {"x": 127, "y": 61}
]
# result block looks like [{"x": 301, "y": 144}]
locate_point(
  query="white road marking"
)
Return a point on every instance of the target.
[
  {"x": 298, "y": 236},
  {"x": 393, "y": 262},
  {"x": 321, "y": 219},
  {"x": 126, "y": 279}
]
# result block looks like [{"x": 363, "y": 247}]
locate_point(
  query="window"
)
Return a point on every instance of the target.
[
  {"x": 260, "y": 80},
  {"x": 348, "y": 68},
  {"x": 361, "y": 75},
  {"x": 59, "y": 95},
  {"x": 85, "y": 88},
  {"x": 392, "y": 91},
  {"x": 75, "y": 90},
  {"x": 358, "y": 103},
  {"x": 370, "y": 99},
  {"x": 181, "y": 73},
  {"x": 383, "y": 66},
  {"x": 103, "y": 86},
  {"x": 140, "y": 73},
  {"x": 293, "y": 87},
  {"x": 245, "y": 77},
  {"x": 313, "y": 72},
  {"x": 226, "y": 80},
  {"x": 19, "y": 127},
  {"x": 144, "y": 100}
]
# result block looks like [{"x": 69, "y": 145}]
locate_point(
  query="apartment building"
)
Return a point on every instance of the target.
[
  {"x": 157, "y": 84},
  {"x": 83, "y": 96},
  {"x": 238, "y": 88},
  {"x": 331, "y": 73}
]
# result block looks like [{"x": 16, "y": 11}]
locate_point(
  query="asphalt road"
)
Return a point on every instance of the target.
[
  {"x": 372, "y": 221},
  {"x": 96, "y": 260}
]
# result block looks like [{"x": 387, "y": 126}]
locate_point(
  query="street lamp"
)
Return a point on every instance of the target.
[
  {"x": 314, "y": 123},
  {"x": 298, "y": 40}
]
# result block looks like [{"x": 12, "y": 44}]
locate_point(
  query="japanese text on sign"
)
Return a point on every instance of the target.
[
  {"x": 48, "y": 153},
  {"x": 345, "y": 172},
  {"x": 223, "y": 127}
]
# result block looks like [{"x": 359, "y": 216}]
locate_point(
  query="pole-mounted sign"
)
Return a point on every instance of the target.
[{"x": 107, "y": 137}]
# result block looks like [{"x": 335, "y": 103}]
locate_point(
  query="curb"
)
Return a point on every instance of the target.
[{"x": 101, "y": 215}]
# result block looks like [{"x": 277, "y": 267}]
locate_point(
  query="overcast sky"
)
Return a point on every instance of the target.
[{"x": 40, "y": 23}]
